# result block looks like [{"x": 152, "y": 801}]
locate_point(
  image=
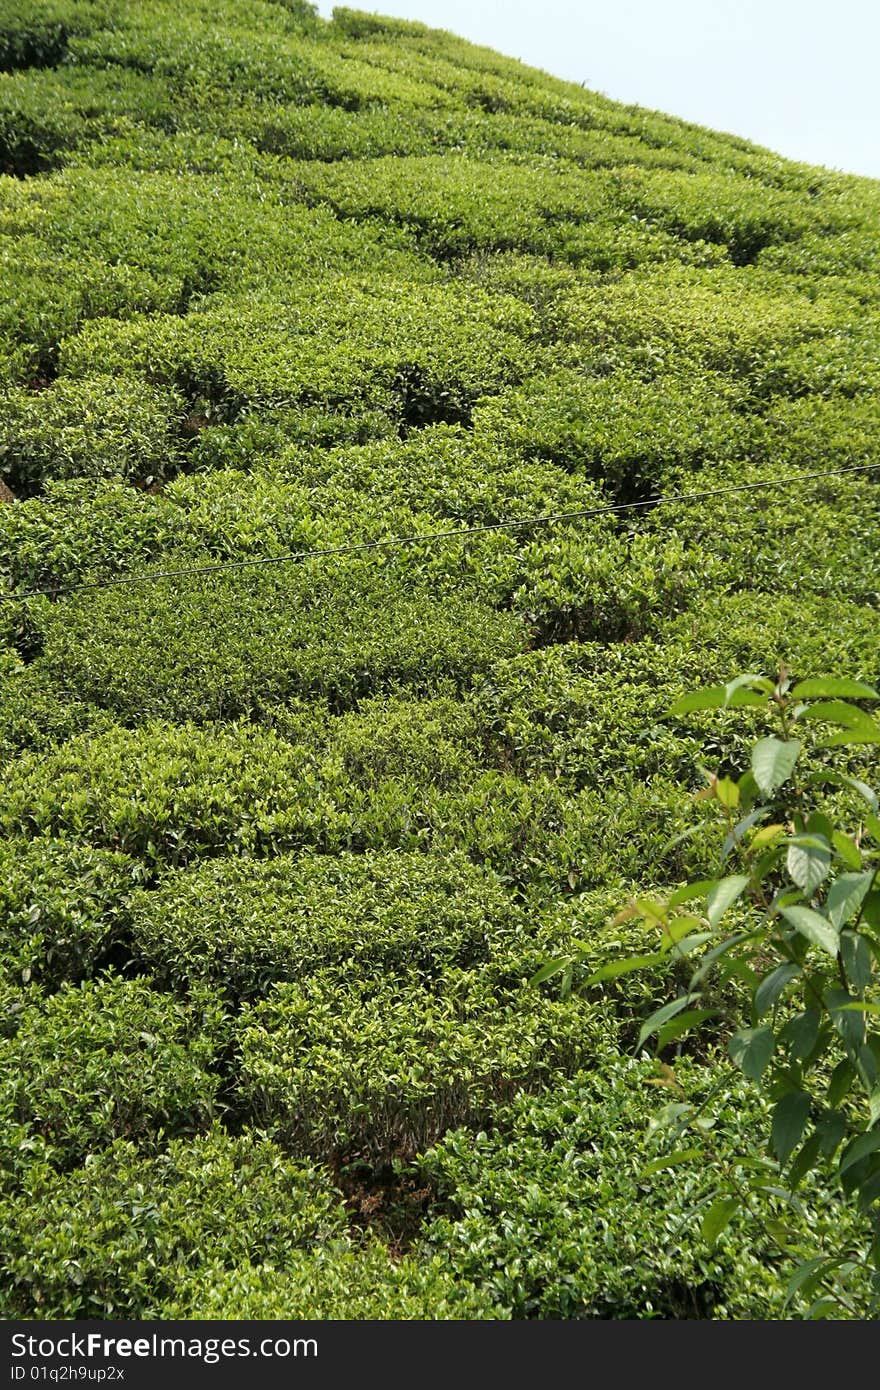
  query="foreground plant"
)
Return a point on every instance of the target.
[{"x": 782, "y": 947}]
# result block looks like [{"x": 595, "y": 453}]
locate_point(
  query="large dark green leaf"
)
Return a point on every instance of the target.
[
  {"x": 800, "y": 1033},
  {"x": 816, "y": 928},
  {"x": 787, "y": 1126},
  {"x": 751, "y": 1050},
  {"x": 772, "y": 985},
  {"x": 846, "y": 895},
  {"x": 855, "y": 953},
  {"x": 859, "y": 1148}
]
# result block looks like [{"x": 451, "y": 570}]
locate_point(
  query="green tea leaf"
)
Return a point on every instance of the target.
[
  {"x": 683, "y": 1024},
  {"x": 838, "y": 712},
  {"x": 858, "y": 1149},
  {"x": 800, "y": 1033},
  {"x": 849, "y": 1024},
  {"x": 832, "y": 686},
  {"x": 772, "y": 985},
  {"x": 718, "y": 1217},
  {"x": 816, "y": 928},
  {"x": 751, "y": 1050},
  {"x": 740, "y": 684},
  {"x": 661, "y": 1016},
  {"x": 715, "y": 697},
  {"x": 855, "y": 955},
  {"x": 547, "y": 971},
  {"x": 724, "y": 895},
  {"x": 615, "y": 968},
  {"x": 847, "y": 850},
  {"x": 842, "y": 1078},
  {"x": 808, "y": 865},
  {"x": 773, "y": 761},
  {"x": 831, "y": 1130},
  {"x": 673, "y": 1160},
  {"x": 804, "y": 1160},
  {"x": 787, "y": 1126}
]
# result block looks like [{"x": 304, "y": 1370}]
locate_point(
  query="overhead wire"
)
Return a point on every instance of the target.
[{"x": 428, "y": 537}]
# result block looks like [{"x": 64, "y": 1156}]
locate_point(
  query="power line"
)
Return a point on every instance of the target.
[{"x": 430, "y": 537}]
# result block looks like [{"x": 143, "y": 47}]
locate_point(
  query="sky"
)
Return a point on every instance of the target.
[{"x": 801, "y": 77}]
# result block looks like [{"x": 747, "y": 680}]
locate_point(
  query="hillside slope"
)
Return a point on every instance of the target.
[{"x": 283, "y": 844}]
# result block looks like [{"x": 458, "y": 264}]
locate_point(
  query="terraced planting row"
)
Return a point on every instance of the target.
[{"x": 283, "y": 845}]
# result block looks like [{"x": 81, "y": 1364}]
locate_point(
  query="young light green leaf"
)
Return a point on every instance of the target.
[
  {"x": 839, "y": 712},
  {"x": 867, "y": 733},
  {"x": 661, "y": 1016},
  {"x": 846, "y": 850},
  {"x": 710, "y": 698},
  {"x": 676, "y": 1027},
  {"x": 673, "y": 1160},
  {"x": 615, "y": 968},
  {"x": 825, "y": 687},
  {"x": 740, "y": 684},
  {"x": 808, "y": 865},
  {"x": 727, "y": 793},
  {"x": 773, "y": 761},
  {"x": 718, "y": 1217},
  {"x": 715, "y": 697},
  {"x": 698, "y": 889},
  {"x": 670, "y": 1115},
  {"x": 547, "y": 971},
  {"x": 816, "y": 928},
  {"x": 723, "y": 895},
  {"x": 787, "y": 1126}
]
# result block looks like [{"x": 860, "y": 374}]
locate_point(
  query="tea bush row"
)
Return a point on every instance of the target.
[
  {"x": 121, "y": 1233},
  {"x": 111, "y": 1059},
  {"x": 539, "y": 1211}
]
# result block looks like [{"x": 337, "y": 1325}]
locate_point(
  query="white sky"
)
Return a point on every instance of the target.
[{"x": 799, "y": 76}]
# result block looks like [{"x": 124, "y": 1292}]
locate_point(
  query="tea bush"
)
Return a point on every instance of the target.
[
  {"x": 243, "y": 926},
  {"x": 240, "y": 642},
  {"x": 121, "y": 1233},
  {"x": 113, "y": 1059},
  {"x": 539, "y": 1212},
  {"x": 280, "y": 284},
  {"x": 62, "y": 909},
  {"x": 334, "y": 1064},
  {"x": 99, "y": 428},
  {"x": 361, "y": 1283}
]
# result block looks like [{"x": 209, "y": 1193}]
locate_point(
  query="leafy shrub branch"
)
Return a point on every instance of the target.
[{"x": 783, "y": 943}]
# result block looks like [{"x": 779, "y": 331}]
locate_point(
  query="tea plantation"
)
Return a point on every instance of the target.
[{"x": 284, "y": 842}]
